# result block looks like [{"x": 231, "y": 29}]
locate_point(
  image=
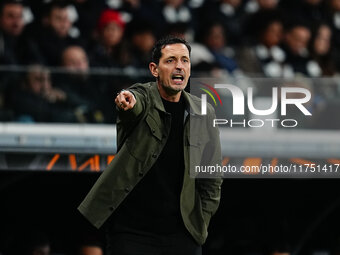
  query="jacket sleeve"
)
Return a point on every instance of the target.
[
  {"x": 132, "y": 114},
  {"x": 210, "y": 188},
  {"x": 127, "y": 120}
]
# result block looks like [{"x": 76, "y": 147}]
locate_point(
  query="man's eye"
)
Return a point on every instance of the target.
[
  {"x": 185, "y": 60},
  {"x": 169, "y": 60}
]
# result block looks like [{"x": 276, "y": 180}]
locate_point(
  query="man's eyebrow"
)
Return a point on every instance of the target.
[
  {"x": 171, "y": 57},
  {"x": 174, "y": 57}
]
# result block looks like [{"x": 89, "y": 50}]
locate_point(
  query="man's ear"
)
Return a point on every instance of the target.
[{"x": 153, "y": 69}]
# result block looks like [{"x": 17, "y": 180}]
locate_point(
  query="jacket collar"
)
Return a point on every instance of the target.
[
  {"x": 156, "y": 97},
  {"x": 192, "y": 106}
]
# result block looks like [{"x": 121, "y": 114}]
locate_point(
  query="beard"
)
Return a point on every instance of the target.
[{"x": 172, "y": 89}]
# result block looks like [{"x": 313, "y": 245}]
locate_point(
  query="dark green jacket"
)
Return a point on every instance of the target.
[{"x": 141, "y": 135}]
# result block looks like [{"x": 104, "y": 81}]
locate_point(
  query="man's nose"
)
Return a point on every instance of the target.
[{"x": 179, "y": 65}]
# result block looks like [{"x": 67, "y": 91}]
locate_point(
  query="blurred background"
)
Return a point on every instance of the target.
[{"x": 62, "y": 63}]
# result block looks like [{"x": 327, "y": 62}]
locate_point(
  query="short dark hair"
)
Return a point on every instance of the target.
[
  {"x": 157, "y": 49},
  {"x": 295, "y": 22},
  {"x": 62, "y": 4},
  {"x": 8, "y": 2}
]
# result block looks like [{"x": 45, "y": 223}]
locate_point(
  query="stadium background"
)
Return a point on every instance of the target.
[{"x": 57, "y": 113}]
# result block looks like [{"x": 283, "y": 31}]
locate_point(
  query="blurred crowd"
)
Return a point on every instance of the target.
[
  {"x": 36, "y": 242},
  {"x": 266, "y": 38}
]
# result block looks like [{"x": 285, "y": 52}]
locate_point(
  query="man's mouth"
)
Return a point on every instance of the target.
[{"x": 177, "y": 77}]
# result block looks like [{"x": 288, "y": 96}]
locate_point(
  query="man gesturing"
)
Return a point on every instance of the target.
[{"x": 146, "y": 197}]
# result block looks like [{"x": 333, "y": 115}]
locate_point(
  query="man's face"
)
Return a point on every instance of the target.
[
  {"x": 112, "y": 34},
  {"x": 273, "y": 34},
  {"x": 60, "y": 22},
  {"x": 215, "y": 39},
  {"x": 75, "y": 59},
  {"x": 173, "y": 69},
  {"x": 144, "y": 41},
  {"x": 39, "y": 81},
  {"x": 297, "y": 39},
  {"x": 322, "y": 42},
  {"x": 11, "y": 19},
  {"x": 335, "y": 4}
]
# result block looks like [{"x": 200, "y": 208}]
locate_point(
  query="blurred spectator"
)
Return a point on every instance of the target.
[
  {"x": 201, "y": 58},
  {"x": 164, "y": 13},
  {"x": 333, "y": 19},
  {"x": 253, "y": 6},
  {"x": 321, "y": 49},
  {"x": 36, "y": 100},
  {"x": 58, "y": 19},
  {"x": 55, "y": 33},
  {"x": 129, "y": 9},
  {"x": 141, "y": 39},
  {"x": 265, "y": 55},
  {"x": 124, "y": 5},
  {"x": 82, "y": 87},
  {"x": 90, "y": 248},
  {"x": 230, "y": 14},
  {"x": 39, "y": 246},
  {"x": 30, "y": 242},
  {"x": 11, "y": 18},
  {"x": 11, "y": 27},
  {"x": 182, "y": 30},
  {"x": 312, "y": 11},
  {"x": 295, "y": 45},
  {"x": 176, "y": 11},
  {"x": 86, "y": 14},
  {"x": 214, "y": 39},
  {"x": 109, "y": 49},
  {"x": 75, "y": 60}
]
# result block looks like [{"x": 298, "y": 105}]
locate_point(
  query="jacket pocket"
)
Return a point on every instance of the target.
[
  {"x": 154, "y": 127},
  {"x": 195, "y": 147},
  {"x": 145, "y": 139}
]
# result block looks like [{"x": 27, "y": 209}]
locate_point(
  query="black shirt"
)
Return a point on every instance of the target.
[{"x": 154, "y": 204}]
